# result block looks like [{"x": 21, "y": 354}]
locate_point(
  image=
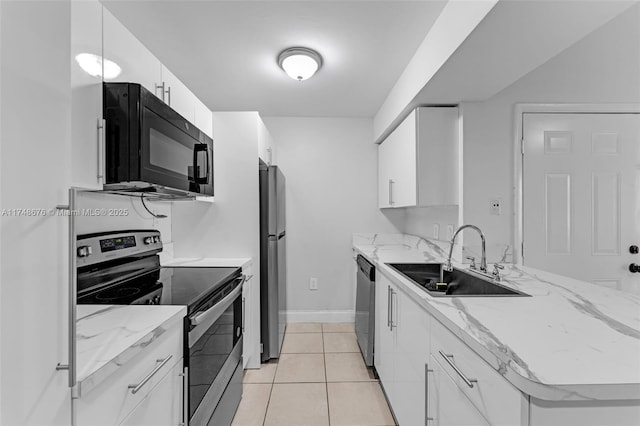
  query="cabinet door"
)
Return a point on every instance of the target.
[
  {"x": 397, "y": 166},
  {"x": 138, "y": 64},
  {"x": 203, "y": 118},
  {"x": 447, "y": 404},
  {"x": 251, "y": 320},
  {"x": 385, "y": 181},
  {"x": 437, "y": 156},
  {"x": 385, "y": 337},
  {"x": 410, "y": 356},
  {"x": 163, "y": 406},
  {"x": 403, "y": 163},
  {"x": 178, "y": 96},
  {"x": 86, "y": 95}
]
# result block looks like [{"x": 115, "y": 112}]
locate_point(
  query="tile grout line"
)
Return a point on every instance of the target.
[
  {"x": 273, "y": 381},
  {"x": 326, "y": 378}
]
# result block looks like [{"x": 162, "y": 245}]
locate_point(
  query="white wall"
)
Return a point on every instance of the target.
[
  {"x": 456, "y": 21},
  {"x": 35, "y": 143},
  {"x": 604, "y": 67},
  {"x": 330, "y": 166}
]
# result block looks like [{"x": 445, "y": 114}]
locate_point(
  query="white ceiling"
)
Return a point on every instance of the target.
[{"x": 225, "y": 51}]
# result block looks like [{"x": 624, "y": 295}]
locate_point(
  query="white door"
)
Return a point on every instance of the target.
[{"x": 581, "y": 180}]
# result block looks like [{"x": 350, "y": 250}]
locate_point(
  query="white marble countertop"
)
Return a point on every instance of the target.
[
  {"x": 108, "y": 336},
  {"x": 571, "y": 340},
  {"x": 237, "y": 262}
]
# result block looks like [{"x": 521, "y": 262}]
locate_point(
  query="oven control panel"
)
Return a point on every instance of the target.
[
  {"x": 118, "y": 243},
  {"x": 104, "y": 246}
]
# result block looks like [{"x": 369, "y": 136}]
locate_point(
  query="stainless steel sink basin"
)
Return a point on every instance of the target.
[{"x": 458, "y": 282}]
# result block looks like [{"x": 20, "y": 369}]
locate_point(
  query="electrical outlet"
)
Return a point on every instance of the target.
[
  {"x": 495, "y": 206},
  {"x": 449, "y": 232},
  {"x": 313, "y": 283},
  {"x": 436, "y": 231}
]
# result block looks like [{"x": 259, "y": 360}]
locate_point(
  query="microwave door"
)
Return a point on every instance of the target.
[{"x": 173, "y": 158}]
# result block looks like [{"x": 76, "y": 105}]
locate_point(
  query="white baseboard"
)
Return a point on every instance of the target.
[{"x": 320, "y": 316}]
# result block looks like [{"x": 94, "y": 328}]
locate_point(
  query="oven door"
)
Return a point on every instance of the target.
[
  {"x": 215, "y": 351},
  {"x": 173, "y": 157}
]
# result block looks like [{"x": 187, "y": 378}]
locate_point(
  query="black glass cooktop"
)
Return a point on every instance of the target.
[{"x": 191, "y": 286}]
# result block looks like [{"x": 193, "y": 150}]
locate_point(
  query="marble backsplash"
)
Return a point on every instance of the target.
[{"x": 501, "y": 253}]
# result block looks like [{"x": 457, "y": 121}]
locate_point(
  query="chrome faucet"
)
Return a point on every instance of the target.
[{"x": 483, "y": 262}]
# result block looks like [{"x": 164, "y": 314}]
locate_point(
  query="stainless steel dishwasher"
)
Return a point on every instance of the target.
[{"x": 365, "y": 308}]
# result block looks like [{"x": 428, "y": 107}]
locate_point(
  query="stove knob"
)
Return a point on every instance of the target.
[
  {"x": 148, "y": 240},
  {"x": 84, "y": 251}
]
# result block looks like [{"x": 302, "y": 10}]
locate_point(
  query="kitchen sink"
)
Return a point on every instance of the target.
[{"x": 457, "y": 282}]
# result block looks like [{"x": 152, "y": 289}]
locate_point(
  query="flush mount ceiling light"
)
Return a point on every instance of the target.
[
  {"x": 299, "y": 63},
  {"x": 93, "y": 64}
]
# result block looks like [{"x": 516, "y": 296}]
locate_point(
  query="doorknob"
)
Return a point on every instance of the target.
[
  {"x": 634, "y": 268},
  {"x": 633, "y": 249}
]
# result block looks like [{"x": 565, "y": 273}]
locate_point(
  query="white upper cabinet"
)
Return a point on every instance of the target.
[
  {"x": 138, "y": 64},
  {"x": 86, "y": 93},
  {"x": 418, "y": 161},
  {"x": 178, "y": 96}
]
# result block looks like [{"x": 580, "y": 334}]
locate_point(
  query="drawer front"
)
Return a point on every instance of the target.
[
  {"x": 494, "y": 397},
  {"x": 111, "y": 401}
]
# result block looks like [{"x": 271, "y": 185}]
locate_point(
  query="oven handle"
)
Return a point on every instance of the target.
[{"x": 217, "y": 309}]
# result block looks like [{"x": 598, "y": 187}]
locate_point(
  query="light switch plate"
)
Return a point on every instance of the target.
[
  {"x": 313, "y": 283},
  {"x": 436, "y": 231}
]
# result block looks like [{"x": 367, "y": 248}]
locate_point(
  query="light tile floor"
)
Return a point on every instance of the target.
[{"x": 319, "y": 379}]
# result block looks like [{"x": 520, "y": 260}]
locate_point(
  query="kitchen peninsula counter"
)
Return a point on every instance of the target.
[{"x": 569, "y": 341}]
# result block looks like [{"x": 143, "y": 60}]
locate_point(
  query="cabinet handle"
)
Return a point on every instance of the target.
[
  {"x": 185, "y": 397},
  {"x": 136, "y": 388},
  {"x": 168, "y": 95},
  {"x": 393, "y": 311},
  {"x": 101, "y": 131},
  {"x": 391, "y": 182},
  {"x": 161, "y": 87},
  {"x": 389, "y": 307},
  {"x": 449, "y": 359},
  {"x": 427, "y": 419},
  {"x": 244, "y": 304}
]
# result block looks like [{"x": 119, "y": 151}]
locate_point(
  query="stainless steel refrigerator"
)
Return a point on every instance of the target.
[{"x": 272, "y": 260}]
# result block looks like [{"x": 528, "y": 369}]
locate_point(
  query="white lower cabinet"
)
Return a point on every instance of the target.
[
  {"x": 163, "y": 406},
  {"x": 447, "y": 403},
  {"x": 250, "y": 320},
  {"x": 493, "y": 396},
  {"x": 402, "y": 345},
  {"x": 146, "y": 390},
  {"x": 385, "y": 337}
]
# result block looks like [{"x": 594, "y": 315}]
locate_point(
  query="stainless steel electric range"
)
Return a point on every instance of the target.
[{"x": 123, "y": 267}]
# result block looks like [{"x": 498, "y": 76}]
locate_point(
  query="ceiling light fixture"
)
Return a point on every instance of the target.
[
  {"x": 299, "y": 63},
  {"x": 93, "y": 65}
]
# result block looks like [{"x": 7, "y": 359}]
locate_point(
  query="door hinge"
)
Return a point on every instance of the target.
[
  {"x": 522, "y": 250},
  {"x": 522, "y": 146},
  {"x": 261, "y": 348}
]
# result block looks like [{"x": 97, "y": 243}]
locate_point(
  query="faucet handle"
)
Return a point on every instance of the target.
[
  {"x": 496, "y": 271},
  {"x": 472, "y": 260}
]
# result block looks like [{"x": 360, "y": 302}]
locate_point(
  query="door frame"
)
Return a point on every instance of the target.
[{"x": 518, "y": 158}]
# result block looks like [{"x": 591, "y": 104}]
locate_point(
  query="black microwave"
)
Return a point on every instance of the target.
[{"x": 149, "y": 147}]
